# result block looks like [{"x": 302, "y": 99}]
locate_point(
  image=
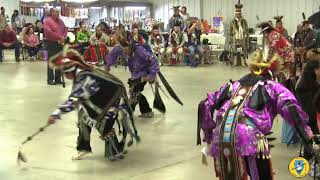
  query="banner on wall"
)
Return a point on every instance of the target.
[
  {"x": 80, "y": 13},
  {"x": 217, "y": 22}
]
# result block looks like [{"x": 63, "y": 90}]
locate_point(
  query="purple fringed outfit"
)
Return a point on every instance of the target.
[
  {"x": 141, "y": 63},
  {"x": 245, "y": 113}
]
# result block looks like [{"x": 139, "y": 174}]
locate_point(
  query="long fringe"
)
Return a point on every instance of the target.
[{"x": 110, "y": 154}]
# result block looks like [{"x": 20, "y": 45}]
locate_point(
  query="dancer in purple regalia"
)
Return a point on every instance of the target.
[
  {"x": 144, "y": 67},
  {"x": 101, "y": 100},
  {"x": 236, "y": 137}
]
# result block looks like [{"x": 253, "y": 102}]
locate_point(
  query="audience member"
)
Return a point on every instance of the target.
[
  {"x": 308, "y": 93},
  {"x": 176, "y": 43},
  {"x": 298, "y": 37},
  {"x": 8, "y": 40},
  {"x": 16, "y": 21},
  {"x": 194, "y": 45},
  {"x": 99, "y": 37},
  {"x": 38, "y": 27},
  {"x": 185, "y": 16},
  {"x": 82, "y": 38},
  {"x": 31, "y": 42},
  {"x": 156, "y": 43},
  {"x": 176, "y": 19},
  {"x": 55, "y": 33},
  {"x": 310, "y": 35},
  {"x": 3, "y": 19},
  {"x": 83, "y": 35}
]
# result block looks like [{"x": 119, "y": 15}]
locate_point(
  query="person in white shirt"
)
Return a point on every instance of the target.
[
  {"x": 3, "y": 19},
  {"x": 16, "y": 21}
]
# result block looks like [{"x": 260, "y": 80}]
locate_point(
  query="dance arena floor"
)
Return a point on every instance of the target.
[{"x": 168, "y": 149}]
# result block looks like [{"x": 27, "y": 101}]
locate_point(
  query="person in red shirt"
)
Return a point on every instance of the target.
[
  {"x": 279, "y": 27},
  {"x": 55, "y": 33},
  {"x": 277, "y": 43},
  {"x": 31, "y": 42},
  {"x": 8, "y": 40}
]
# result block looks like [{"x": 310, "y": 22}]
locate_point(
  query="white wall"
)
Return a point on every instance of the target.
[
  {"x": 163, "y": 8},
  {"x": 265, "y": 9},
  {"x": 10, "y": 5}
]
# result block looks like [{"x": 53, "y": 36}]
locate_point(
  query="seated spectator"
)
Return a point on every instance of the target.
[
  {"x": 31, "y": 43},
  {"x": 24, "y": 30},
  {"x": 194, "y": 46},
  {"x": 176, "y": 43},
  {"x": 156, "y": 42},
  {"x": 82, "y": 38},
  {"x": 8, "y": 40},
  {"x": 105, "y": 27},
  {"x": 38, "y": 27},
  {"x": 98, "y": 47},
  {"x": 99, "y": 37},
  {"x": 83, "y": 35}
]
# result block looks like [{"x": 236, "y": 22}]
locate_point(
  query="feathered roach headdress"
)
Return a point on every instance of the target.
[
  {"x": 278, "y": 18},
  {"x": 259, "y": 65},
  {"x": 68, "y": 60},
  {"x": 305, "y": 20},
  {"x": 176, "y": 8},
  {"x": 238, "y": 7}
]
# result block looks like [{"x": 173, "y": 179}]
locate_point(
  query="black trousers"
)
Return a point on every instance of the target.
[
  {"x": 83, "y": 142},
  {"x": 53, "y": 48},
  {"x": 264, "y": 168},
  {"x": 142, "y": 100},
  {"x": 33, "y": 51}
]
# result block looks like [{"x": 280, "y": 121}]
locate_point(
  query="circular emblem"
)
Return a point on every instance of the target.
[
  {"x": 299, "y": 167},
  {"x": 226, "y": 152},
  {"x": 242, "y": 91}
]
